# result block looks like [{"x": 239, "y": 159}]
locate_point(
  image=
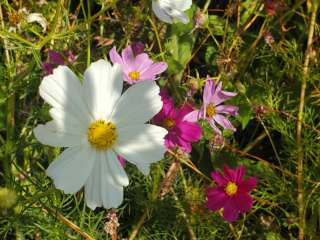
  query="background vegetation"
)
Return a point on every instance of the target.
[{"x": 267, "y": 51}]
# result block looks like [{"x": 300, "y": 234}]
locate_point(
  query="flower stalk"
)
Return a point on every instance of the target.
[{"x": 300, "y": 154}]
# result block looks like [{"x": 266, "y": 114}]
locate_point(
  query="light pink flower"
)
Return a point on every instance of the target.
[
  {"x": 212, "y": 108},
  {"x": 231, "y": 193},
  {"x": 137, "y": 68}
]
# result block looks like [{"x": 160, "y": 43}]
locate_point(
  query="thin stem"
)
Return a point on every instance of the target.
[
  {"x": 68, "y": 223},
  {"x": 89, "y": 34},
  {"x": 300, "y": 198},
  {"x": 157, "y": 37},
  {"x": 255, "y": 142},
  {"x": 185, "y": 217},
  {"x": 136, "y": 229}
]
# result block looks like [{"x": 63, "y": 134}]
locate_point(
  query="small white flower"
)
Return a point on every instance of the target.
[
  {"x": 39, "y": 18},
  {"x": 166, "y": 10},
  {"x": 95, "y": 122}
]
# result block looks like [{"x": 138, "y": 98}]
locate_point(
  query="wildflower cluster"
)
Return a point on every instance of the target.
[
  {"x": 102, "y": 128},
  {"x": 159, "y": 119}
]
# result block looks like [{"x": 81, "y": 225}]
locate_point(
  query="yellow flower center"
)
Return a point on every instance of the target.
[
  {"x": 134, "y": 75},
  {"x": 231, "y": 188},
  {"x": 102, "y": 135},
  {"x": 210, "y": 111},
  {"x": 169, "y": 123}
]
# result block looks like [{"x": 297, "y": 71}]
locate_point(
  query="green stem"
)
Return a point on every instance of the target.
[
  {"x": 89, "y": 34},
  {"x": 300, "y": 158},
  {"x": 157, "y": 37}
]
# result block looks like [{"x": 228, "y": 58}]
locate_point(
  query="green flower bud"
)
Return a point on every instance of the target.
[{"x": 8, "y": 198}]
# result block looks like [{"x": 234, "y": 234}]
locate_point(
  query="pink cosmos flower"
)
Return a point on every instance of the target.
[
  {"x": 181, "y": 131},
  {"x": 231, "y": 193},
  {"x": 136, "y": 68},
  {"x": 212, "y": 110}
]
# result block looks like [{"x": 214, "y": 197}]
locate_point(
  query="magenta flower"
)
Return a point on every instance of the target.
[
  {"x": 181, "y": 131},
  {"x": 137, "y": 68},
  {"x": 137, "y": 48},
  {"x": 212, "y": 110},
  {"x": 231, "y": 193},
  {"x": 55, "y": 59}
]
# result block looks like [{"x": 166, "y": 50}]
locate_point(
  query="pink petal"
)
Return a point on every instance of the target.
[
  {"x": 224, "y": 122},
  {"x": 247, "y": 185},
  {"x": 227, "y": 109},
  {"x": 243, "y": 202},
  {"x": 230, "y": 174},
  {"x": 115, "y": 57},
  {"x": 55, "y": 58},
  {"x": 190, "y": 132},
  {"x": 121, "y": 160},
  {"x": 208, "y": 91},
  {"x": 128, "y": 57},
  {"x": 231, "y": 211},
  {"x": 184, "y": 145},
  {"x": 192, "y": 116},
  {"x": 47, "y": 68},
  {"x": 142, "y": 63},
  {"x": 240, "y": 171},
  {"x": 183, "y": 111},
  {"x": 155, "y": 69},
  {"x": 216, "y": 199},
  {"x": 219, "y": 178},
  {"x": 214, "y": 127},
  {"x": 221, "y": 96},
  {"x": 170, "y": 141}
]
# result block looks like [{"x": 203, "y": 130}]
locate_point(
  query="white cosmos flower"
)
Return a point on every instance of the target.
[
  {"x": 95, "y": 123},
  {"x": 166, "y": 10}
]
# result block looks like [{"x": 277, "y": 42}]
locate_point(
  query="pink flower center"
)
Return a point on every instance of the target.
[
  {"x": 169, "y": 123},
  {"x": 134, "y": 75},
  {"x": 210, "y": 111},
  {"x": 231, "y": 188}
]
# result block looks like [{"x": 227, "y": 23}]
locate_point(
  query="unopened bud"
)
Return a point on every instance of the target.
[
  {"x": 200, "y": 19},
  {"x": 8, "y": 198},
  {"x": 241, "y": 88}
]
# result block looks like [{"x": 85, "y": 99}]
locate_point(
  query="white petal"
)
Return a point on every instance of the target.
[
  {"x": 182, "y": 5},
  {"x": 111, "y": 192},
  {"x": 102, "y": 87},
  {"x": 160, "y": 12},
  {"x": 116, "y": 169},
  {"x": 39, "y": 18},
  {"x": 66, "y": 121},
  {"x": 180, "y": 15},
  {"x": 141, "y": 144},
  {"x": 100, "y": 188},
  {"x": 71, "y": 169},
  {"x": 56, "y": 135},
  {"x": 62, "y": 90},
  {"x": 93, "y": 184},
  {"x": 138, "y": 104}
]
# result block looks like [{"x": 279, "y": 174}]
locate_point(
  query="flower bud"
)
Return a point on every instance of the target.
[{"x": 8, "y": 198}]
